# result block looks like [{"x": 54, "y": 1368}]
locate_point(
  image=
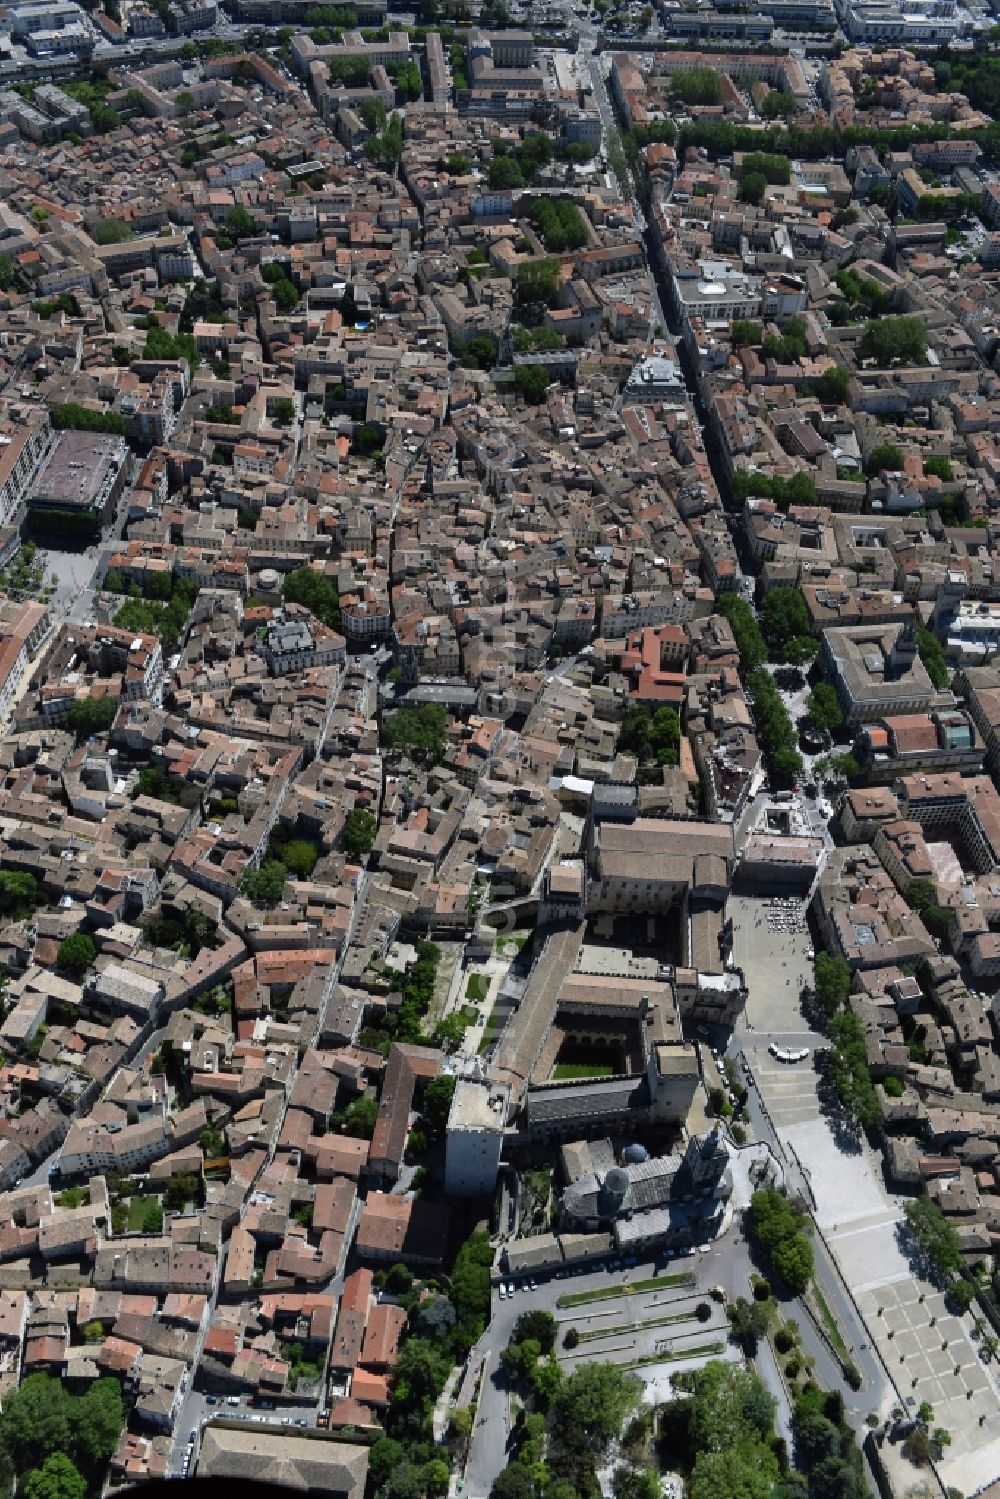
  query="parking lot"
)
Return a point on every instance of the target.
[
  {"x": 655, "y": 1333},
  {"x": 654, "y": 1330},
  {"x": 199, "y": 1409}
]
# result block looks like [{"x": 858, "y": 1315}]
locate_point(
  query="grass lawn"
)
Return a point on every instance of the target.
[
  {"x": 478, "y": 986},
  {"x": 512, "y": 943},
  {"x": 609, "y": 1293},
  {"x": 830, "y": 1323},
  {"x": 491, "y": 1032},
  {"x": 136, "y": 1211},
  {"x": 564, "y": 1070},
  {"x": 673, "y": 1358},
  {"x": 597, "y": 1333}
]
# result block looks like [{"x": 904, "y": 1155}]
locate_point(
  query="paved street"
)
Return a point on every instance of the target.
[{"x": 196, "y": 1411}]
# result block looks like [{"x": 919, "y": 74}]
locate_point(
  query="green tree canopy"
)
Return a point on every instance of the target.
[
  {"x": 834, "y": 385},
  {"x": 531, "y": 381},
  {"x": 932, "y": 655},
  {"x": 832, "y": 979},
  {"x": 748, "y": 1321},
  {"x": 111, "y": 232},
  {"x": 744, "y": 333},
  {"x": 313, "y": 589},
  {"x": 41, "y": 1419},
  {"x": 57, "y": 1478},
  {"x": 421, "y": 731},
  {"x": 504, "y": 173},
  {"x": 593, "y": 1404},
  {"x": 537, "y": 283},
  {"x": 698, "y": 86},
  {"x": 651, "y": 737},
  {"x": 18, "y": 892},
  {"x": 895, "y": 340},
  {"x": 785, "y": 614},
  {"x": 266, "y": 885},
  {"x": 239, "y": 224},
  {"x": 753, "y": 186},
  {"x": 436, "y": 1102},
  {"x": 76, "y": 954},
  {"x": 538, "y": 1325},
  {"x": 823, "y": 709},
  {"x": 360, "y": 1117},
  {"x": 936, "y": 1239},
  {"x": 938, "y": 465},
  {"x": 777, "y": 1227},
  {"x": 885, "y": 455},
  {"x": 360, "y": 827}
]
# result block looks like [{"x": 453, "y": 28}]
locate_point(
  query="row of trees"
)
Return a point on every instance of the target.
[
  {"x": 788, "y": 625},
  {"x": 71, "y": 416},
  {"x": 779, "y": 1229},
  {"x": 774, "y": 726},
  {"x": 848, "y": 1069},
  {"x": 938, "y": 1248},
  {"x": 746, "y": 631},
  {"x": 812, "y": 143},
  {"x": 847, "y": 1060},
  {"x": 931, "y": 653}
]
